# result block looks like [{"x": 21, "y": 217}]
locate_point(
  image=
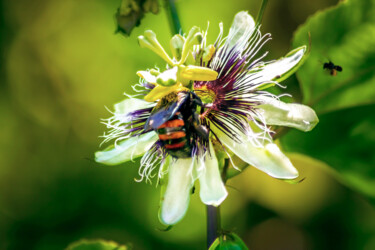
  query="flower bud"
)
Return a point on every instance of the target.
[{"x": 228, "y": 241}]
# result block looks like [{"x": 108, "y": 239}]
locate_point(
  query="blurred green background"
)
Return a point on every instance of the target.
[{"x": 62, "y": 64}]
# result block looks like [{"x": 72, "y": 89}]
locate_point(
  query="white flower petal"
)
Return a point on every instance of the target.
[
  {"x": 268, "y": 159},
  {"x": 212, "y": 189},
  {"x": 127, "y": 149},
  {"x": 293, "y": 115},
  {"x": 241, "y": 30},
  {"x": 130, "y": 105},
  {"x": 177, "y": 195},
  {"x": 147, "y": 76},
  {"x": 280, "y": 69}
]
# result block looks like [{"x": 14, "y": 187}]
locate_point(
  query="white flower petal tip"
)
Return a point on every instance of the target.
[
  {"x": 304, "y": 118},
  {"x": 243, "y": 21},
  {"x": 175, "y": 200},
  {"x": 293, "y": 115},
  {"x": 268, "y": 158},
  {"x": 290, "y": 63},
  {"x": 129, "y": 105},
  {"x": 282, "y": 68},
  {"x": 241, "y": 30},
  {"x": 286, "y": 169},
  {"x": 212, "y": 189},
  {"x": 126, "y": 150}
]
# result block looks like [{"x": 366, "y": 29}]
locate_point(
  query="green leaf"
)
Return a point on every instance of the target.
[
  {"x": 95, "y": 245},
  {"x": 345, "y": 140},
  {"x": 345, "y": 35},
  {"x": 228, "y": 241}
]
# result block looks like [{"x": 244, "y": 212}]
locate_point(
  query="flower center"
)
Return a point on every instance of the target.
[{"x": 205, "y": 94}]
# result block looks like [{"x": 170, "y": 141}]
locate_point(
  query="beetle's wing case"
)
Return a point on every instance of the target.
[{"x": 161, "y": 115}]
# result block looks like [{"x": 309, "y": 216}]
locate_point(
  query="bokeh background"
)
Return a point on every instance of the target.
[{"x": 62, "y": 64}]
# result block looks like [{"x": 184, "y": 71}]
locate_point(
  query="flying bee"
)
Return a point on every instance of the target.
[
  {"x": 176, "y": 121},
  {"x": 332, "y": 68}
]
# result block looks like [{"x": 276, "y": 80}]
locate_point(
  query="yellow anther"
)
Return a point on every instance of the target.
[
  {"x": 197, "y": 73},
  {"x": 160, "y": 91}
]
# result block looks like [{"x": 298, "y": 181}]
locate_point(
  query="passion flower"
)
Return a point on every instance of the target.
[{"x": 208, "y": 104}]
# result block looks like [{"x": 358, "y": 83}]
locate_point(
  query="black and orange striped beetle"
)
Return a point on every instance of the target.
[{"x": 176, "y": 121}]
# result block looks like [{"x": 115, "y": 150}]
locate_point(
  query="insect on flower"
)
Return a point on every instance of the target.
[
  {"x": 210, "y": 103},
  {"x": 177, "y": 123}
]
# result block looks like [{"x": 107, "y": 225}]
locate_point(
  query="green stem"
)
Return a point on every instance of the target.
[
  {"x": 224, "y": 173},
  {"x": 260, "y": 13},
  {"x": 174, "y": 21},
  {"x": 213, "y": 224},
  {"x": 213, "y": 214}
]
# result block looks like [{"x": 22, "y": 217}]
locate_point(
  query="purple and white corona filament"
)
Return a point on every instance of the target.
[{"x": 210, "y": 101}]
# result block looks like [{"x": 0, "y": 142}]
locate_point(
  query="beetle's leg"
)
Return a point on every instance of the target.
[
  {"x": 196, "y": 100},
  {"x": 200, "y": 129}
]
